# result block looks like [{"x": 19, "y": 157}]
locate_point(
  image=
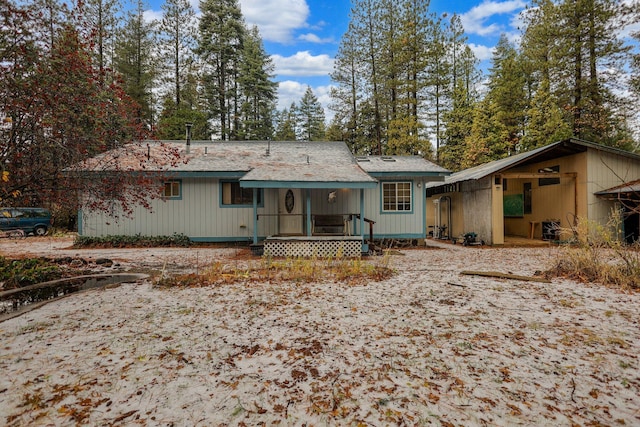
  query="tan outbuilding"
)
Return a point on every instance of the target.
[{"x": 538, "y": 194}]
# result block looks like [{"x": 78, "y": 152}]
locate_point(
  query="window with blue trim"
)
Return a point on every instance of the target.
[
  {"x": 172, "y": 190},
  {"x": 234, "y": 195},
  {"x": 396, "y": 196}
]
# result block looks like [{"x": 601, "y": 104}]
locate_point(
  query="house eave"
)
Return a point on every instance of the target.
[
  {"x": 434, "y": 176},
  {"x": 306, "y": 184}
]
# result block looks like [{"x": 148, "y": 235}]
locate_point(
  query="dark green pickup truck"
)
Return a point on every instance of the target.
[{"x": 30, "y": 220}]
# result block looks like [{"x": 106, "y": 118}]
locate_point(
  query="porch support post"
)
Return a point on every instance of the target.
[
  {"x": 255, "y": 216},
  {"x": 365, "y": 246},
  {"x": 308, "y": 198},
  {"x": 423, "y": 195}
]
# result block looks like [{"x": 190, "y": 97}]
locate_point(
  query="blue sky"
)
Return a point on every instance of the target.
[{"x": 302, "y": 36}]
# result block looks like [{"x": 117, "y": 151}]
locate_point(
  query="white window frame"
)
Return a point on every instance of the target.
[{"x": 397, "y": 197}]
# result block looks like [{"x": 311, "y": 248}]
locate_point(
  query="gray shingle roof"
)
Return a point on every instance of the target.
[
  {"x": 306, "y": 162},
  {"x": 553, "y": 150},
  {"x": 400, "y": 164},
  {"x": 255, "y": 161}
]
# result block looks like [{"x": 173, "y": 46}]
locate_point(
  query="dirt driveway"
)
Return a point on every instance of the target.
[{"x": 428, "y": 346}]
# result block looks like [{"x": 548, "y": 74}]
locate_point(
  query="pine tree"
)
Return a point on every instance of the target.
[
  {"x": 135, "y": 62},
  {"x": 406, "y": 132},
  {"x": 101, "y": 20},
  {"x": 257, "y": 88},
  {"x": 172, "y": 121},
  {"x": 439, "y": 79},
  {"x": 311, "y": 117},
  {"x": 458, "y": 121},
  {"x": 48, "y": 18},
  {"x": 546, "y": 122},
  {"x": 488, "y": 135},
  {"x": 458, "y": 126},
  {"x": 574, "y": 45},
  {"x": 507, "y": 97},
  {"x": 635, "y": 77},
  {"x": 366, "y": 33},
  {"x": 346, "y": 94},
  {"x": 178, "y": 38},
  {"x": 220, "y": 40},
  {"x": 61, "y": 114},
  {"x": 286, "y": 124}
]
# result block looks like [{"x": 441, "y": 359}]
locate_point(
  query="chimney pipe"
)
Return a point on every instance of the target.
[{"x": 188, "y": 124}]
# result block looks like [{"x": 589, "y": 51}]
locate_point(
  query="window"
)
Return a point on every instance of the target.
[
  {"x": 233, "y": 194},
  {"x": 172, "y": 190},
  {"x": 527, "y": 198},
  {"x": 549, "y": 181},
  {"x": 396, "y": 196}
]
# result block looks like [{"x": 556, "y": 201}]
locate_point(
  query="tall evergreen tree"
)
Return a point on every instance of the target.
[
  {"x": 366, "y": 32},
  {"x": 257, "y": 88},
  {"x": 406, "y": 131},
  {"x": 286, "y": 124},
  {"x": 48, "y": 17},
  {"x": 220, "y": 40},
  {"x": 439, "y": 78},
  {"x": 347, "y": 93},
  {"x": 173, "y": 120},
  {"x": 574, "y": 45},
  {"x": 178, "y": 40},
  {"x": 100, "y": 17},
  {"x": 311, "y": 117},
  {"x": 486, "y": 141},
  {"x": 458, "y": 120},
  {"x": 135, "y": 62},
  {"x": 545, "y": 122},
  {"x": 507, "y": 97}
]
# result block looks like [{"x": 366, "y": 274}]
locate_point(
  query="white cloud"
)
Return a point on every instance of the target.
[
  {"x": 152, "y": 15},
  {"x": 323, "y": 93},
  {"x": 291, "y": 91},
  {"x": 303, "y": 64},
  {"x": 313, "y": 38},
  {"x": 276, "y": 19},
  {"x": 481, "y": 52},
  {"x": 474, "y": 21}
]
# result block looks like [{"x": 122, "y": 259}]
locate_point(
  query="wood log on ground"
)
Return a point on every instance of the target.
[{"x": 500, "y": 275}]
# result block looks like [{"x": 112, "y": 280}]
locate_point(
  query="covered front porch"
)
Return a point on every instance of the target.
[
  {"x": 312, "y": 218},
  {"x": 313, "y": 221}
]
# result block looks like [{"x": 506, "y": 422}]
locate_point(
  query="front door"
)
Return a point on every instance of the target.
[{"x": 290, "y": 211}]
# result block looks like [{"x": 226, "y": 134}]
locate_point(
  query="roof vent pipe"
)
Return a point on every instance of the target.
[{"x": 188, "y": 125}]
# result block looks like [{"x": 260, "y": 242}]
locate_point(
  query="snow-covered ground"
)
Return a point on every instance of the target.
[{"x": 426, "y": 347}]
